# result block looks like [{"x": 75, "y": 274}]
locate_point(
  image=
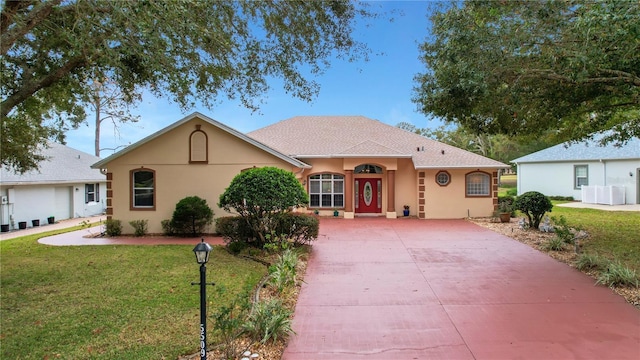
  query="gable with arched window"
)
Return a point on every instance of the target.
[
  {"x": 143, "y": 189},
  {"x": 198, "y": 147}
]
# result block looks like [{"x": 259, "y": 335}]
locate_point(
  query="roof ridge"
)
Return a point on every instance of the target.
[{"x": 360, "y": 144}]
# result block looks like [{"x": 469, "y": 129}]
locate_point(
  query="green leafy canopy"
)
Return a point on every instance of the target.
[
  {"x": 260, "y": 191},
  {"x": 188, "y": 51},
  {"x": 527, "y": 67}
]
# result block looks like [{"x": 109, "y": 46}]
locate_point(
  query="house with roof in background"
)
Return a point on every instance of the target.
[
  {"x": 64, "y": 186},
  {"x": 587, "y": 171},
  {"x": 353, "y": 164},
  {"x": 366, "y": 167}
]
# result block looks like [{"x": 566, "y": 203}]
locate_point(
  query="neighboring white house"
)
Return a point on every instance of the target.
[
  {"x": 563, "y": 169},
  {"x": 65, "y": 186}
]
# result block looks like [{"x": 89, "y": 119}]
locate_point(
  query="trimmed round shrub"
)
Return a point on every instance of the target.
[
  {"x": 191, "y": 217},
  {"x": 260, "y": 195},
  {"x": 534, "y": 205}
]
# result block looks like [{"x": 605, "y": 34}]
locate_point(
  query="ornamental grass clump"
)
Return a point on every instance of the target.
[
  {"x": 617, "y": 274},
  {"x": 283, "y": 273},
  {"x": 588, "y": 261},
  {"x": 270, "y": 320},
  {"x": 554, "y": 244}
]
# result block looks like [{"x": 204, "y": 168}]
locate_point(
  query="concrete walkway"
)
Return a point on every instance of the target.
[
  {"x": 63, "y": 224},
  {"x": 84, "y": 236},
  {"x": 449, "y": 289}
]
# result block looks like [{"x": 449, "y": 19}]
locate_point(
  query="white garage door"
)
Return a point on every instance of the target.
[{"x": 64, "y": 202}]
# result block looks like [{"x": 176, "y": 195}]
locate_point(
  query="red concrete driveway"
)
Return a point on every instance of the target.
[{"x": 416, "y": 289}]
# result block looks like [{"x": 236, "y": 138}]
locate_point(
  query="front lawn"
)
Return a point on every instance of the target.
[
  {"x": 613, "y": 234},
  {"x": 109, "y": 302}
]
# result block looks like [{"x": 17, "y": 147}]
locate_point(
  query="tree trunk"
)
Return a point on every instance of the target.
[{"x": 97, "y": 139}]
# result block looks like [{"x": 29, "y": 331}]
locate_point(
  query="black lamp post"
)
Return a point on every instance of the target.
[{"x": 202, "y": 251}]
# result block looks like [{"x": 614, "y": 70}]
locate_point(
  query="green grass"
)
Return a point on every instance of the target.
[
  {"x": 505, "y": 189},
  {"x": 612, "y": 234},
  {"x": 108, "y": 302},
  {"x": 509, "y": 180}
]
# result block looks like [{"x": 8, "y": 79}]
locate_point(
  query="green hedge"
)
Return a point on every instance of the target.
[
  {"x": 296, "y": 227},
  {"x": 234, "y": 229}
]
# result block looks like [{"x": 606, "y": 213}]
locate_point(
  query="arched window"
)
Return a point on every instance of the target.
[
  {"x": 143, "y": 189},
  {"x": 198, "y": 147},
  {"x": 367, "y": 169},
  {"x": 478, "y": 184},
  {"x": 326, "y": 191}
]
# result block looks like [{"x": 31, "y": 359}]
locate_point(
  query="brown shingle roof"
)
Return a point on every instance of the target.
[
  {"x": 372, "y": 148},
  {"x": 349, "y": 136}
]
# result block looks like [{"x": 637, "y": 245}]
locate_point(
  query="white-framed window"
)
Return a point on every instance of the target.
[
  {"x": 91, "y": 193},
  {"x": 326, "y": 191},
  {"x": 143, "y": 189},
  {"x": 580, "y": 175},
  {"x": 443, "y": 178},
  {"x": 478, "y": 183}
]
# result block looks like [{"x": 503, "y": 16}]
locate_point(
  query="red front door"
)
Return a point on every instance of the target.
[{"x": 368, "y": 195}]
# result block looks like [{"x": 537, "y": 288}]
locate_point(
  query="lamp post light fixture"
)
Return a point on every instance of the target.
[{"x": 202, "y": 251}]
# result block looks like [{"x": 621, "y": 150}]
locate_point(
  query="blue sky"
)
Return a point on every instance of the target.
[{"x": 379, "y": 89}]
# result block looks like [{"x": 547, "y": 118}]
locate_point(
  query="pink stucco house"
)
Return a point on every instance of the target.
[{"x": 359, "y": 166}]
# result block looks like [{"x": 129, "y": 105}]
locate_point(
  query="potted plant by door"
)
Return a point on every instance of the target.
[
  {"x": 35, "y": 222},
  {"x": 51, "y": 219},
  {"x": 22, "y": 224},
  {"x": 406, "y": 210},
  {"x": 4, "y": 227}
]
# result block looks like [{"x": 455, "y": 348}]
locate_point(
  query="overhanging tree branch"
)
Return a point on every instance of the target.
[
  {"x": 190, "y": 51},
  {"x": 621, "y": 77},
  {"x": 628, "y": 77},
  {"x": 31, "y": 87},
  {"x": 38, "y": 14}
]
